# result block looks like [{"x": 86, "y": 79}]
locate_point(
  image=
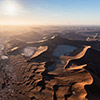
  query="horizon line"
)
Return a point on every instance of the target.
[{"x": 46, "y": 25}]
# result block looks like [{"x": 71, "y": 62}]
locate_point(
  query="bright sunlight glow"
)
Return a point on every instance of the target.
[{"x": 10, "y": 8}]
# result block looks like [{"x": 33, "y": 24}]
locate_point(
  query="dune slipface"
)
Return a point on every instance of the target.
[{"x": 75, "y": 76}]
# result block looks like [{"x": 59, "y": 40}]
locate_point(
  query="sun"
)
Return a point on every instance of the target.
[{"x": 10, "y": 8}]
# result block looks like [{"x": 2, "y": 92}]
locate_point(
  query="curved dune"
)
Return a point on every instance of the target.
[
  {"x": 40, "y": 50},
  {"x": 67, "y": 59},
  {"x": 90, "y": 61}
]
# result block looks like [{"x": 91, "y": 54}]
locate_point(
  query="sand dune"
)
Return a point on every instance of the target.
[
  {"x": 30, "y": 78},
  {"x": 78, "y": 56}
]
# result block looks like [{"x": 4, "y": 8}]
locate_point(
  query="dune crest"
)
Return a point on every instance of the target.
[{"x": 43, "y": 76}]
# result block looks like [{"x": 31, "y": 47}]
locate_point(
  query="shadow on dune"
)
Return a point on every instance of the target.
[
  {"x": 92, "y": 59},
  {"x": 93, "y": 90}
]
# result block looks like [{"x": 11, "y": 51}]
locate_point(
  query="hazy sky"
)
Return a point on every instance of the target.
[{"x": 50, "y": 12}]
